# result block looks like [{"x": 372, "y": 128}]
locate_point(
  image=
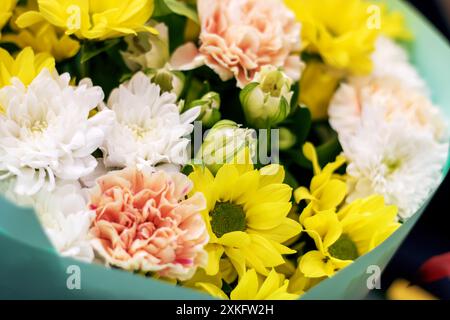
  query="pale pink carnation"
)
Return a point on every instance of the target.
[
  {"x": 145, "y": 222},
  {"x": 238, "y": 37}
]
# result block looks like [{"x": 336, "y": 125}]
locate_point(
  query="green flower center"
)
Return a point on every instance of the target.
[
  {"x": 227, "y": 217},
  {"x": 344, "y": 248},
  {"x": 392, "y": 165},
  {"x": 273, "y": 83}
]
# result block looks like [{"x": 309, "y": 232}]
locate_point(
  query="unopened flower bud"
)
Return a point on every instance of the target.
[
  {"x": 227, "y": 142},
  {"x": 146, "y": 50},
  {"x": 266, "y": 102},
  {"x": 210, "y": 105},
  {"x": 287, "y": 139},
  {"x": 168, "y": 81}
]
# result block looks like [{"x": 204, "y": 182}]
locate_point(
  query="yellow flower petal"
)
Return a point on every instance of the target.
[
  {"x": 269, "y": 286},
  {"x": 214, "y": 254},
  {"x": 95, "y": 20},
  {"x": 203, "y": 180},
  {"x": 212, "y": 290},
  {"x": 237, "y": 258},
  {"x": 282, "y": 294},
  {"x": 326, "y": 225},
  {"x": 282, "y": 249},
  {"x": 314, "y": 264},
  {"x": 276, "y": 192},
  {"x": 29, "y": 18},
  {"x": 270, "y": 174},
  {"x": 333, "y": 194},
  {"x": 224, "y": 182},
  {"x": 281, "y": 233},
  {"x": 265, "y": 251},
  {"x": 306, "y": 213},
  {"x": 310, "y": 153},
  {"x": 26, "y": 66},
  {"x": 247, "y": 287},
  {"x": 302, "y": 193},
  {"x": 267, "y": 215},
  {"x": 235, "y": 239},
  {"x": 245, "y": 187}
]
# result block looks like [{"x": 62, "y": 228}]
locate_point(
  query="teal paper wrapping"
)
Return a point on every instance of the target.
[{"x": 31, "y": 269}]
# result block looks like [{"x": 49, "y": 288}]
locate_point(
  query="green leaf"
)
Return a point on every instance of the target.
[
  {"x": 299, "y": 123},
  {"x": 166, "y": 7},
  {"x": 326, "y": 153},
  {"x": 290, "y": 180},
  {"x": 91, "y": 49}
]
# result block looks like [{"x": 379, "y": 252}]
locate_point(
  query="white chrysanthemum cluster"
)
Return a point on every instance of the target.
[
  {"x": 49, "y": 133},
  {"x": 392, "y": 135},
  {"x": 149, "y": 129},
  {"x": 46, "y": 133}
]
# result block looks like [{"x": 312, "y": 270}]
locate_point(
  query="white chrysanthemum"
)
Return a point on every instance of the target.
[
  {"x": 63, "y": 213},
  {"x": 46, "y": 133},
  {"x": 391, "y": 60},
  {"x": 392, "y": 98},
  {"x": 66, "y": 220},
  {"x": 393, "y": 159},
  {"x": 149, "y": 129}
]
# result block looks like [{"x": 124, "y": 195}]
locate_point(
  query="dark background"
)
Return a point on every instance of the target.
[{"x": 431, "y": 235}]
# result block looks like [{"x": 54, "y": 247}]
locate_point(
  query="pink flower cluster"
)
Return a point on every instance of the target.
[{"x": 145, "y": 222}]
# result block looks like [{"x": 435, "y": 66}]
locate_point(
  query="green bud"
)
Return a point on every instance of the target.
[
  {"x": 227, "y": 142},
  {"x": 167, "y": 80},
  {"x": 287, "y": 139},
  {"x": 146, "y": 50},
  {"x": 266, "y": 102},
  {"x": 210, "y": 105}
]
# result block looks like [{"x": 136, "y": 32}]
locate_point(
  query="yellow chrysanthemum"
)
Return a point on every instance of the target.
[
  {"x": 41, "y": 36},
  {"x": 343, "y": 33},
  {"x": 93, "y": 19},
  {"x": 246, "y": 216},
  {"x": 343, "y": 237},
  {"x": 327, "y": 189},
  {"x": 317, "y": 86},
  {"x": 6, "y": 10},
  {"x": 26, "y": 66},
  {"x": 252, "y": 286}
]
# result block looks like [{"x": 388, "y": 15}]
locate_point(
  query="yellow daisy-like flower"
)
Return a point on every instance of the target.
[
  {"x": 252, "y": 286},
  {"x": 26, "y": 66},
  {"x": 93, "y": 19},
  {"x": 246, "y": 216},
  {"x": 343, "y": 237},
  {"x": 41, "y": 36},
  {"x": 6, "y": 10},
  {"x": 327, "y": 189},
  {"x": 343, "y": 33}
]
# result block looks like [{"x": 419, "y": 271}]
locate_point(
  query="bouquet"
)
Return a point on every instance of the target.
[{"x": 244, "y": 149}]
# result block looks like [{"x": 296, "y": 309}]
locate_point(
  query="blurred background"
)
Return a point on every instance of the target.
[{"x": 421, "y": 268}]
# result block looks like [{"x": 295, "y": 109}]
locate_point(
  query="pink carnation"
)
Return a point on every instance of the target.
[
  {"x": 145, "y": 222},
  {"x": 238, "y": 37}
]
